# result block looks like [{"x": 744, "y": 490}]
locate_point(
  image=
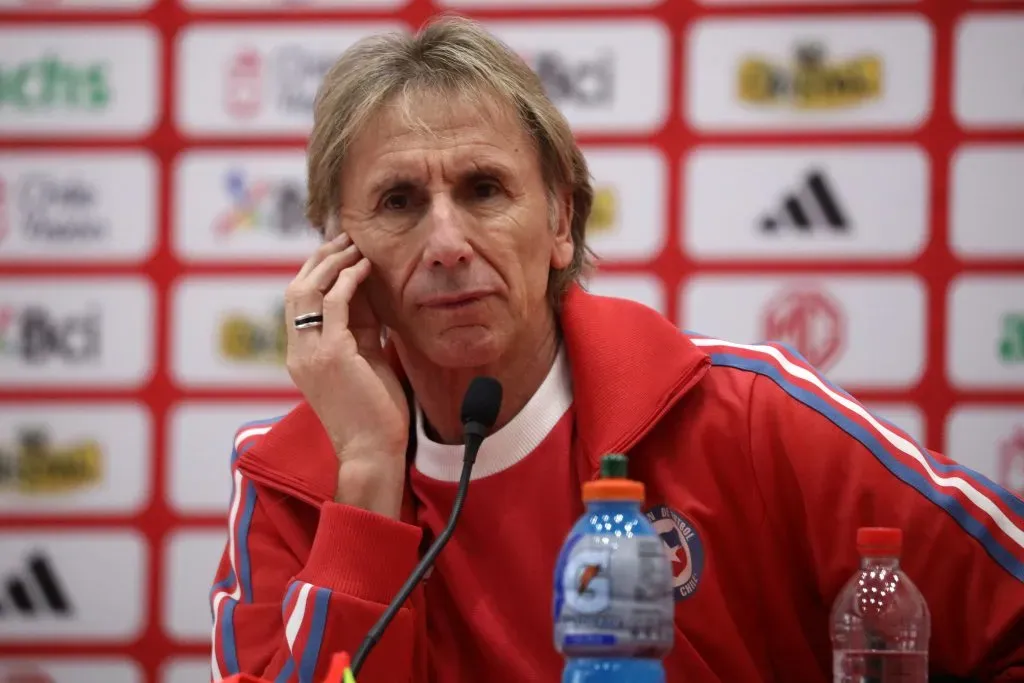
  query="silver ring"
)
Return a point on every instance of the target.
[{"x": 309, "y": 320}]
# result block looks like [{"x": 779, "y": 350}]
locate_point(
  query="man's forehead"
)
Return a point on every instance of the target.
[{"x": 431, "y": 119}]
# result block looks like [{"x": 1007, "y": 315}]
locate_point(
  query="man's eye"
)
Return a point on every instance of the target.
[
  {"x": 396, "y": 202},
  {"x": 486, "y": 189}
]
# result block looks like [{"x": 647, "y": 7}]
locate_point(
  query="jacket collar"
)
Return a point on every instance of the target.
[{"x": 629, "y": 366}]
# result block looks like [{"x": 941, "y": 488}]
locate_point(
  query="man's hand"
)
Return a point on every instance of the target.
[{"x": 341, "y": 370}]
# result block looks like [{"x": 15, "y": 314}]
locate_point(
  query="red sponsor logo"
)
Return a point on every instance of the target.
[
  {"x": 810, "y": 321},
  {"x": 243, "y": 84}
]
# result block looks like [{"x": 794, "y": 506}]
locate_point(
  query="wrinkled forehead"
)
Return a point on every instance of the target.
[{"x": 440, "y": 117}]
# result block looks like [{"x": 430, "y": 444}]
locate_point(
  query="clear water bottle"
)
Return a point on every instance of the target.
[
  {"x": 880, "y": 621},
  {"x": 613, "y": 602}
]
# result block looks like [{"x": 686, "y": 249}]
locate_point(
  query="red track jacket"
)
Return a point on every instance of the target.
[{"x": 765, "y": 468}]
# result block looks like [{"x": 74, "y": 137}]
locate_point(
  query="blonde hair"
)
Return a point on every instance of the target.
[{"x": 448, "y": 56}]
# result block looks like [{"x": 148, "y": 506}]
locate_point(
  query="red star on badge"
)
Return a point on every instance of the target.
[{"x": 679, "y": 562}]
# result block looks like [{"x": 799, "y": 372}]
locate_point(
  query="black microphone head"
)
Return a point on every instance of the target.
[{"x": 482, "y": 401}]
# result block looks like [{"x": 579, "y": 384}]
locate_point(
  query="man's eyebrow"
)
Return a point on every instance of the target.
[
  {"x": 488, "y": 167},
  {"x": 390, "y": 180}
]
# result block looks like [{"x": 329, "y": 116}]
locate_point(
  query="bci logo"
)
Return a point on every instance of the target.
[
  {"x": 587, "y": 82},
  {"x": 35, "y": 335}
]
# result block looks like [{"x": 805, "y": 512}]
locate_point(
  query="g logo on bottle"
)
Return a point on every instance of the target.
[{"x": 585, "y": 581}]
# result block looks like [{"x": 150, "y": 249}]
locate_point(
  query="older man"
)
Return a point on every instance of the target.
[{"x": 453, "y": 200}]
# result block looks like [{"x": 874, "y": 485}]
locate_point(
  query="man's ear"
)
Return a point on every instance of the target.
[{"x": 562, "y": 249}]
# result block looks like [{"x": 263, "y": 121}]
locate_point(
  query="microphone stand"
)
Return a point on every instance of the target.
[{"x": 473, "y": 433}]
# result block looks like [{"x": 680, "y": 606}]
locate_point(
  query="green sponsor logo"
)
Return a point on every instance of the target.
[
  {"x": 52, "y": 83},
  {"x": 1011, "y": 345}
]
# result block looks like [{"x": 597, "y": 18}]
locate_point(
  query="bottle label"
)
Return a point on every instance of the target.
[{"x": 613, "y": 596}]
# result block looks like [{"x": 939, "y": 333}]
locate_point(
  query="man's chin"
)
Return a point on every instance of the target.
[{"x": 463, "y": 347}]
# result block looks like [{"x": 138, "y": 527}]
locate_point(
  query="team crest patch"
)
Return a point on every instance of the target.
[{"x": 682, "y": 545}]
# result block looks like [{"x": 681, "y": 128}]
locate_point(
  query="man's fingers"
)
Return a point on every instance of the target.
[
  {"x": 337, "y": 300},
  {"x": 339, "y": 243},
  {"x": 322, "y": 277}
]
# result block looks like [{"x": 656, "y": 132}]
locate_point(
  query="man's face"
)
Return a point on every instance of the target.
[{"x": 454, "y": 217}]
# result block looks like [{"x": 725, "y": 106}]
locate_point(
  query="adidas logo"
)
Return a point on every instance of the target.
[
  {"x": 34, "y": 592},
  {"x": 813, "y": 206}
]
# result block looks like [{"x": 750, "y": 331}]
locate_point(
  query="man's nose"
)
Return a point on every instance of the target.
[{"x": 446, "y": 245}]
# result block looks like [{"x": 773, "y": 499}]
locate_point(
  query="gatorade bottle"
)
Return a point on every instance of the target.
[
  {"x": 880, "y": 620},
  {"x": 613, "y": 602}
]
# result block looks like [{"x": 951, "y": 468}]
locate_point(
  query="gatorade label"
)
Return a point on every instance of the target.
[{"x": 613, "y": 596}]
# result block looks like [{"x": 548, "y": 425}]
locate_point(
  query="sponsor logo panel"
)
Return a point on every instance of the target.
[
  {"x": 198, "y": 432},
  {"x": 185, "y": 670},
  {"x": 906, "y": 416},
  {"x": 77, "y": 207},
  {"x": 628, "y": 215},
  {"x": 986, "y": 332},
  {"x": 230, "y": 332},
  {"x": 791, "y": 204},
  {"x": 66, "y": 81},
  {"x": 191, "y": 562},
  {"x": 74, "y": 458},
  {"x": 236, "y": 81},
  {"x": 986, "y": 203},
  {"x": 860, "y": 331},
  {"x": 759, "y": 3},
  {"x": 989, "y": 439},
  {"x": 239, "y": 206},
  {"x": 72, "y": 6},
  {"x": 70, "y": 670},
  {"x": 300, "y": 5},
  {"x": 545, "y": 4},
  {"x": 589, "y": 70},
  {"x": 988, "y": 84},
  {"x": 57, "y": 332},
  {"x": 71, "y": 586},
  {"x": 801, "y": 74},
  {"x": 645, "y": 289}
]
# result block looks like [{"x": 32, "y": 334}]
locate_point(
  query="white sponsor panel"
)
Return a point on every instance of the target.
[
  {"x": 986, "y": 332},
  {"x": 73, "y": 6},
  {"x": 69, "y": 332},
  {"x": 986, "y": 202},
  {"x": 72, "y": 81},
  {"x": 806, "y": 74},
  {"x": 543, "y": 4},
  {"x": 258, "y": 78},
  {"x": 988, "y": 83},
  {"x": 73, "y": 458},
  {"x": 645, "y": 289},
  {"x": 990, "y": 440},
  {"x": 627, "y": 218},
  {"x": 604, "y": 76},
  {"x": 906, "y": 416},
  {"x": 806, "y": 203},
  {"x": 185, "y": 670},
  {"x": 200, "y": 441},
  {"x": 230, "y": 332},
  {"x": 859, "y": 331},
  {"x": 72, "y": 586},
  {"x": 191, "y": 559},
  {"x": 77, "y": 206},
  {"x": 58, "y": 669},
  {"x": 242, "y": 206},
  {"x": 297, "y": 5},
  {"x": 762, "y": 3}
]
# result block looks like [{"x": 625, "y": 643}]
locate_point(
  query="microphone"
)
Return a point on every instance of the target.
[{"x": 479, "y": 412}]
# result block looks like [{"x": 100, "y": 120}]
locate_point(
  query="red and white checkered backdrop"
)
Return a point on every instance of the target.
[{"x": 845, "y": 176}]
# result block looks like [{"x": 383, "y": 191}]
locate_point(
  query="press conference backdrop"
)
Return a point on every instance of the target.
[{"x": 846, "y": 177}]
